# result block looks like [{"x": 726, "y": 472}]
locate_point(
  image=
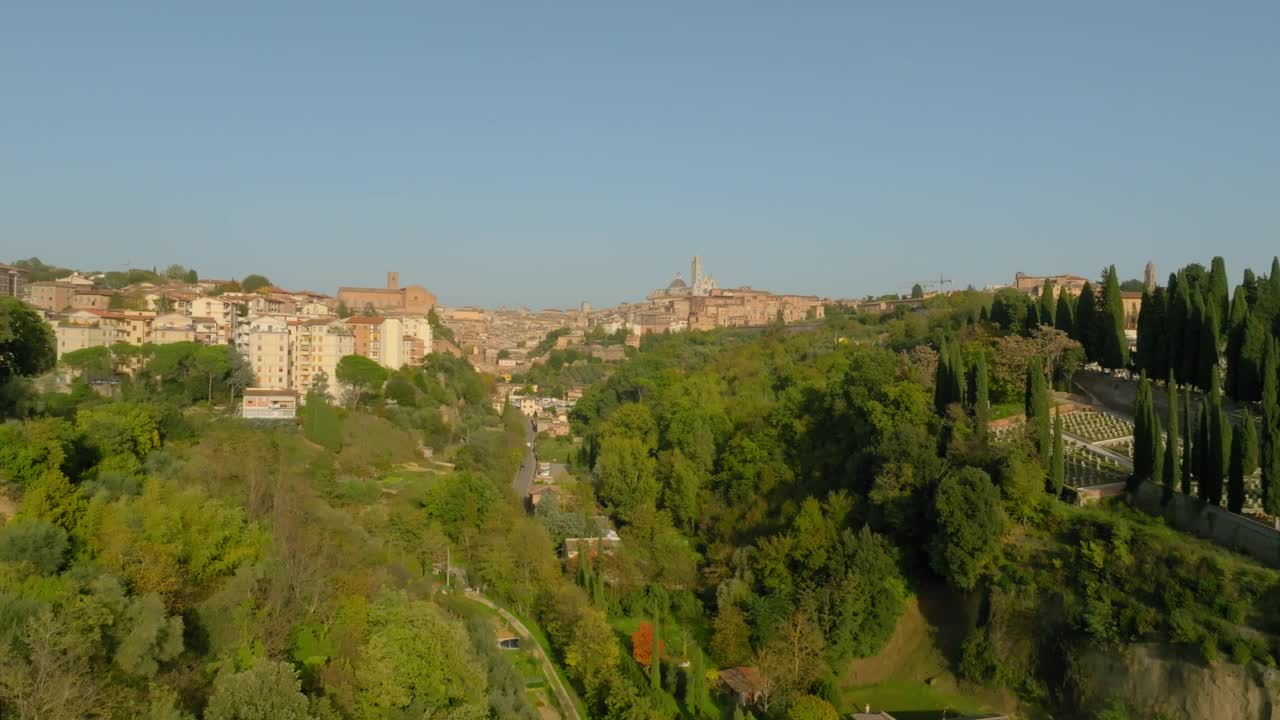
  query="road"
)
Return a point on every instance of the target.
[
  {"x": 531, "y": 644},
  {"x": 524, "y": 476}
]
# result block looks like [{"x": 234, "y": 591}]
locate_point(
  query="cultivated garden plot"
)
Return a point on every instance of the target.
[{"x": 1096, "y": 426}]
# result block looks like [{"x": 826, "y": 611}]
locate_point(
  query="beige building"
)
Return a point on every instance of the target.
[
  {"x": 1033, "y": 284},
  {"x": 52, "y": 296},
  {"x": 222, "y": 312},
  {"x": 317, "y": 347},
  {"x": 82, "y": 329},
  {"x": 391, "y": 299},
  {"x": 92, "y": 299},
  {"x": 172, "y": 327},
  {"x": 268, "y": 352},
  {"x": 92, "y": 328}
]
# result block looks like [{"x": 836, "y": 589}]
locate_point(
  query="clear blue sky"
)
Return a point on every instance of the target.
[{"x": 546, "y": 153}]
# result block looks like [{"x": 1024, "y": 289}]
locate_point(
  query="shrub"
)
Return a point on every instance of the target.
[{"x": 42, "y": 544}]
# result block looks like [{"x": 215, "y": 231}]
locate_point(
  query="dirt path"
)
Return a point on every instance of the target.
[{"x": 549, "y": 670}]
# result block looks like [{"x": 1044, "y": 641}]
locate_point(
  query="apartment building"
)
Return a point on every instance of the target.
[
  {"x": 13, "y": 281},
  {"x": 93, "y": 328},
  {"x": 317, "y": 347},
  {"x": 92, "y": 299},
  {"x": 82, "y": 329},
  {"x": 222, "y": 312},
  {"x": 52, "y": 296},
  {"x": 267, "y": 351},
  {"x": 392, "y": 342},
  {"x": 171, "y": 328}
]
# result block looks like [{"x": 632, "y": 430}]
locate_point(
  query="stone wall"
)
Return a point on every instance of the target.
[{"x": 1225, "y": 528}]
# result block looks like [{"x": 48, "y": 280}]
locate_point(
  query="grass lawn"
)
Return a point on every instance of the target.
[
  {"x": 1004, "y": 410},
  {"x": 909, "y": 700},
  {"x": 556, "y": 450}
]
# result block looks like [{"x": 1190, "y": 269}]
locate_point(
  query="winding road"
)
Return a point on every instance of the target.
[
  {"x": 524, "y": 476},
  {"x": 567, "y": 705}
]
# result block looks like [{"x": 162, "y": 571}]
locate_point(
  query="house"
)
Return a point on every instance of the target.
[
  {"x": 90, "y": 299},
  {"x": 269, "y": 404},
  {"x": 606, "y": 544},
  {"x": 52, "y": 296},
  {"x": 172, "y": 327},
  {"x": 744, "y": 682}
]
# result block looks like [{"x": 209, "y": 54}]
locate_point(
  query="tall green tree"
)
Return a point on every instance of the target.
[
  {"x": 1188, "y": 449},
  {"x": 1249, "y": 449},
  {"x": 655, "y": 658},
  {"x": 1113, "y": 344},
  {"x": 1037, "y": 409},
  {"x": 1250, "y": 358},
  {"x": 1237, "y": 325},
  {"x": 1048, "y": 303},
  {"x": 970, "y": 523},
  {"x": 1192, "y": 342},
  {"x": 1146, "y": 437},
  {"x": 26, "y": 343},
  {"x": 1058, "y": 465},
  {"x": 1064, "y": 314},
  {"x": 1218, "y": 290},
  {"x": 1204, "y": 464},
  {"x": 1207, "y": 357},
  {"x": 1153, "y": 347},
  {"x": 1271, "y": 472},
  {"x": 1235, "y": 473},
  {"x": 1171, "y": 469},
  {"x": 1177, "y": 315},
  {"x": 979, "y": 390},
  {"x": 1085, "y": 324}
]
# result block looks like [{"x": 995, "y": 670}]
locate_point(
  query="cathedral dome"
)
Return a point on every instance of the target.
[{"x": 678, "y": 283}]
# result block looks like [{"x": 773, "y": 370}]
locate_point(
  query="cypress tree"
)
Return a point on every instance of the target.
[
  {"x": 1171, "y": 470},
  {"x": 1144, "y": 433},
  {"x": 1058, "y": 464},
  {"x": 1204, "y": 483},
  {"x": 1150, "y": 329},
  {"x": 1270, "y": 377},
  {"x": 1207, "y": 357},
  {"x": 955, "y": 378},
  {"x": 1217, "y": 459},
  {"x": 1188, "y": 453},
  {"x": 1271, "y": 473},
  {"x": 1085, "y": 321},
  {"x": 1236, "y": 328},
  {"x": 984, "y": 315},
  {"x": 940, "y": 379},
  {"x": 1235, "y": 474},
  {"x": 1037, "y": 410},
  {"x": 1047, "y": 303},
  {"x": 1253, "y": 349},
  {"x": 1160, "y": 344},
  {"x": 1114, "y": 345},
  {"x": 1219, "y": 287},
  {"x": 979, "y": 391},
  {"x": 1063, "y": 315},
  {"x": 1032, "y": 320},
  {"x": 655, "y": 659},
  {"x": 1191, "y": 340},
  {"x": 1250, "y": 285},
  {"x": 1177, "y": 314},
  {"x": 1273, "y": 280},
  {"x": 1248, "y": 435}
]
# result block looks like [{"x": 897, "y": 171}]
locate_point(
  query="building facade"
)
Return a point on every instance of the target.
[
  {"x": 317, "y": 347},
  {"x": 13, "y": 281},
  {"x": 268, "y": 352},
  {"x": 391, "y": 299}
]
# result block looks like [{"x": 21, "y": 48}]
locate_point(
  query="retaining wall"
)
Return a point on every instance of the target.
[{"x": 1211, "y": 522}]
